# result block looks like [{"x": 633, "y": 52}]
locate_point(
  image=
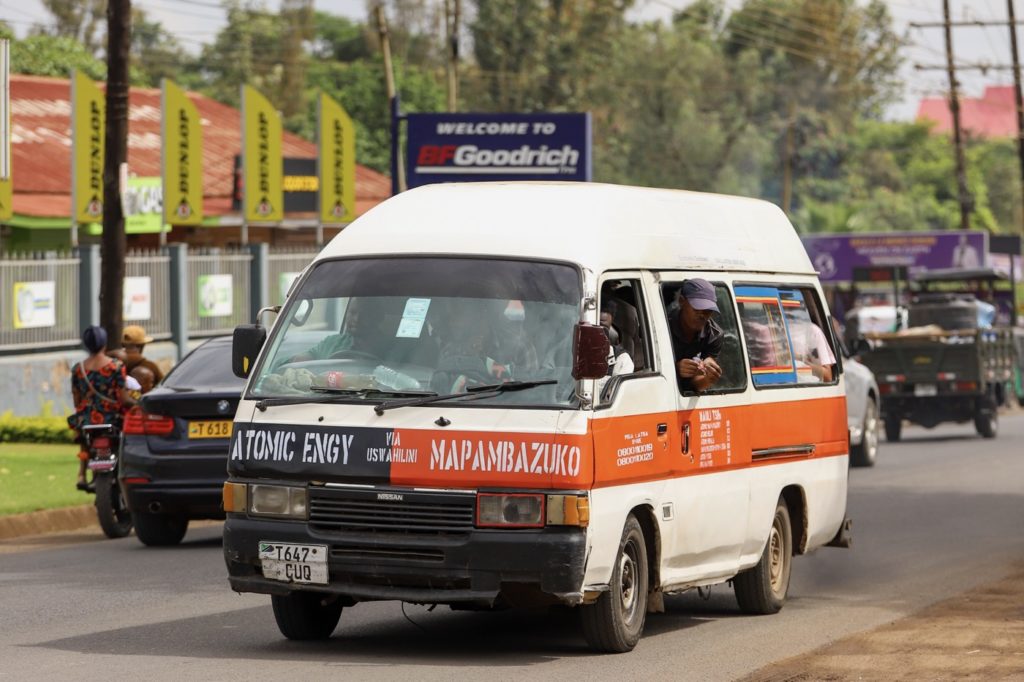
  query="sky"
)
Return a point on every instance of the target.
[{"x": 195, "y": 22}]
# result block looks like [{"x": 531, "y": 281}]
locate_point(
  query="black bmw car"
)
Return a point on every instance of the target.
[{"x": 174, "y": 459}]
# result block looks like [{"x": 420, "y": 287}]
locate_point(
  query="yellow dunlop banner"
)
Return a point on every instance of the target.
[
  {"x": 88, "y": 128},
  {"x": 336, "y": 160},
  {"x": 6, "y": 199},
  {"x": 262, "y": 164},
  {"x": 182, "y": 166}
]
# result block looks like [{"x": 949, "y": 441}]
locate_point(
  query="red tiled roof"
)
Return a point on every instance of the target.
[
  {"x": 993, "y": 115},
  {"x": 41, "y": 148}
]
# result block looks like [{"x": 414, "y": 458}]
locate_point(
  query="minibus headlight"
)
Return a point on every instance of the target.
[
  {"x": 509, "y": 510},
  {"x": 277, "y": 500}
]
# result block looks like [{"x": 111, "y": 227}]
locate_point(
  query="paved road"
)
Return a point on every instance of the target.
[{"x": 940, "y": 513}]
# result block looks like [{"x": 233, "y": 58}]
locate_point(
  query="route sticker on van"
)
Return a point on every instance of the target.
[{"x": 293, "y": 563}]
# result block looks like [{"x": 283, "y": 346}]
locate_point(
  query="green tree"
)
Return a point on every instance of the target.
[
  {"x": 541, "y": 54},
  {"x": 156, "y": 54},
  {"x": 44, "y": 55},
  {"x": 77, "y": 20}
]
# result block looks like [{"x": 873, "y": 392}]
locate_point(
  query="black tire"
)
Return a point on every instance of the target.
[
  {"x": 893, "y": 429},
  {"x": 306, "y": 615},
  {"x": 160, "y": 530},
  {"x": 762, "y": 589},
  {"x": 865, "y": 453},
  {"x": 111, "y": 510},
  {"x": 986, "y": 421},
  {"x": 615, "y": 622}
]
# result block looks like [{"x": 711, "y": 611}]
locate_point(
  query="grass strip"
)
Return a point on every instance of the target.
[{"x": 36, "y": 476}]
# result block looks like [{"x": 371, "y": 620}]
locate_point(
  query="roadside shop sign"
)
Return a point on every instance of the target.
[
  {"x": 181, "y": 157},
  {"x": 836, "y": 256},
  {"x": 142, "y": 201},
  {"x": 215, "y": 294},
  {"x": 474, "y": 147},
  {"x": 138, "y": 301},
  {"x": 88, "y": 129},
  {"x": 35, "y": 304}
]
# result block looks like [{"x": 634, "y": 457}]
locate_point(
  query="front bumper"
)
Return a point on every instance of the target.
[{"x": 482, "y": 566}]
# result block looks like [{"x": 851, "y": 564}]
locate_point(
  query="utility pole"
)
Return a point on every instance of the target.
[
  {"x": 452, "y": 17},
  {"x": 389, "y": 79},
  {"x": 954, "y": 107},
  {"x": 1017, "y": 100},
  {"x": 113, "y": 245}
]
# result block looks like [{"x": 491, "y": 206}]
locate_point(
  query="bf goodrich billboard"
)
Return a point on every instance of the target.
[{"x": 478, "y": 147}]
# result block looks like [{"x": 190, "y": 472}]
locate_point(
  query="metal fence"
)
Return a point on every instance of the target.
[
  {"x": 38, "y": 301},
  {"x": 218, "y": 291},
  {"x": 153, "y": 311},
  {"x": 283, "y": 266}
]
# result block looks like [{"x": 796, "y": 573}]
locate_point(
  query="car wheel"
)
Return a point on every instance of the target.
[
  {"x": 986, "y": 420},
  {"x": 160, "y": 530},
  {"x": 762, "y": 590},
  {"x": 615, "y": 621},
  {"x": 306, "y": 615},
  {"x": 893, "y": 428},
  {"x": 864, "y": 453}
]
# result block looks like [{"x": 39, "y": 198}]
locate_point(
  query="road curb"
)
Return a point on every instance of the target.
[{"x": 47, "y": 521}]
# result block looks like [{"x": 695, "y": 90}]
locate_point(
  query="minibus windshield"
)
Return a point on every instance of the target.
[{"x": 374, "y": 329}]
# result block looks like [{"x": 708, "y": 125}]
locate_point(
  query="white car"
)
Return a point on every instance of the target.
[{"x": 862, "y": 410}]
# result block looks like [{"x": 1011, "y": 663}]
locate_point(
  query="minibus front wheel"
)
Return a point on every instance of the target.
[
  {"x": 615, "y": 621},
  {"x": 306, "y": 615}
]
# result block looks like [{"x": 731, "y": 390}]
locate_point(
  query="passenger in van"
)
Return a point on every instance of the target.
[
  {"x": 619, "y": 361},
  {"x": 362, "y": 333},
  {"x": 811, "y": 351},
  {"x": 467, "y": 350},
  {"x": 696, "y": 337}
]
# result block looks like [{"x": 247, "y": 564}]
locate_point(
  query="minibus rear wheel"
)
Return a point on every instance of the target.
[
  {"x": 761, "y": 590},
  {"x": 306, "y": 615},
  {"x": 615, "y": 621}
]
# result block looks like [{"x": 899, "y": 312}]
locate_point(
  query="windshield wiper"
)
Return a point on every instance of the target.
[
  {"x": 476, "y": 392},
  {"x": 330, "y": 395}
]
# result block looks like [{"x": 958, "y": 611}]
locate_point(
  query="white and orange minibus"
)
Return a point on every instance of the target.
[{"x": 431, "y": 417}]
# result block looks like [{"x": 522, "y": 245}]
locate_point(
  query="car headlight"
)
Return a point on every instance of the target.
[{"x": 277, "y": 500}]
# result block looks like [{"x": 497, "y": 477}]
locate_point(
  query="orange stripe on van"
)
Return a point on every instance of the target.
[{"x": 621, "y": 450}]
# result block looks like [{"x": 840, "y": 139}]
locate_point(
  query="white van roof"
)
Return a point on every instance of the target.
[{"x": 598, "y": 226}]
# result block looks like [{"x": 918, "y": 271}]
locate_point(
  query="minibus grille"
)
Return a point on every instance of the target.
[{"x": 355, "y": 510}]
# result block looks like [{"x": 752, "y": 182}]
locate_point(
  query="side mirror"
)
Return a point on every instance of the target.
[
  {"x": 590, "y": 348},
  {"x": 246, "y": 343},
  {"x": 861, "y": 346}
]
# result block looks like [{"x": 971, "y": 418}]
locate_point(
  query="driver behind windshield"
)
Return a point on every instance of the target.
[{"x": 363, "y": 331}]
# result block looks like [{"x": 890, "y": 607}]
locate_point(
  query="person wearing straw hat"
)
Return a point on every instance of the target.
[{"x": 134, "y": 340}]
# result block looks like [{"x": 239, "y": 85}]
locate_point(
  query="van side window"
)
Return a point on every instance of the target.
[
  {"x": 734, "y": 371},
  {"x": 622, "y": 311},
  {"x": 785, "y": 344}
]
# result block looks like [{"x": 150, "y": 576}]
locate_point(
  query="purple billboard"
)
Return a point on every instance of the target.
[{"x": 836, "y": 255}]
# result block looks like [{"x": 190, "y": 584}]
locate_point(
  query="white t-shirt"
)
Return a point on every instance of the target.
[{"x": 810, "y": 347}]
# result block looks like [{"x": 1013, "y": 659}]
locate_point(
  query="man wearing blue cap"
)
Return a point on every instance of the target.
[{"x": 696, "y": 337}]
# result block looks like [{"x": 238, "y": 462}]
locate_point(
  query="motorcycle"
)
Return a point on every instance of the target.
[{"x": 103, "y": 444}]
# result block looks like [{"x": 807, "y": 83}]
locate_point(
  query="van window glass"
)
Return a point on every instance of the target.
[
  {"x": 426, "y": 325},
  {"x": 767, "y": 340},
  {"x": 730, "y": 358},
  {"x": 812, "y": 349},
  {"x": 784, "y": 337},
  {"x": 623, "y": 315}
]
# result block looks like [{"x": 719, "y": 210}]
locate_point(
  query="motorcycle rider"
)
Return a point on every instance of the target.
[
  {"x": 134, "y": 340},
  {"x": 98, "y": 387}
]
